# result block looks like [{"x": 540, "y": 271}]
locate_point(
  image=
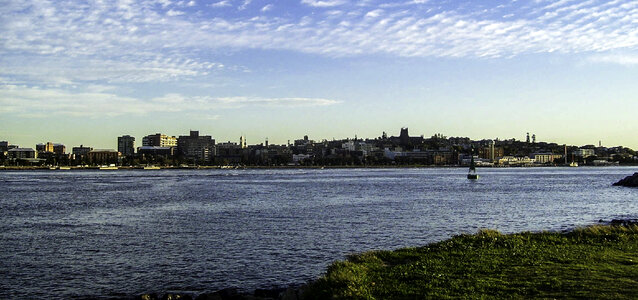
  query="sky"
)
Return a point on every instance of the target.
[{"x": 87, "y": 71}]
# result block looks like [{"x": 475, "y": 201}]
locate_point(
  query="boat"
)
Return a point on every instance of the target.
[
  {"x": 471, "y": 174},
  {"x": 151, "y": 168},
  {"x": 109, "y": 167}
]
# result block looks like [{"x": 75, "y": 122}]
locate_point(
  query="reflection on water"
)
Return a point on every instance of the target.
[{"x": 91, "y": 233}]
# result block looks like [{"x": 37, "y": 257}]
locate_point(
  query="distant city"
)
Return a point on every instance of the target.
[{"x": 194, "y": 149}]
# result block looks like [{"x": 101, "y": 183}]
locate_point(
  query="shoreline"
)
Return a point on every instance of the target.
[
  {"x": 350, "y": 278},
  {"x": 138, "y": 168}
]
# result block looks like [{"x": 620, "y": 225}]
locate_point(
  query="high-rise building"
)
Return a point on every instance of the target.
[
  {"x": 194, "y": 146},
  {"x": 48, "y": 147},
  {"x": 59, "y": 149},
  {"x": 159, "y": 140},
  {"x": 126, "y": 145},
  {"x": 80, "y": 152},
  {"x": 242, "y": 142},
  {"x": 4, "y": 146}
]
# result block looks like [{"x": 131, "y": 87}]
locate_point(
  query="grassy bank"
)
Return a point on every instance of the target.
[{"x": 594, "y": 262}]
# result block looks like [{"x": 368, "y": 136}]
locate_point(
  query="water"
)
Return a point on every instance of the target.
[{"x": 66, "y": 234}]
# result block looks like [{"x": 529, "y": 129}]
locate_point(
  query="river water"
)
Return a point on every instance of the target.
[{"x": 67, "y": 234}]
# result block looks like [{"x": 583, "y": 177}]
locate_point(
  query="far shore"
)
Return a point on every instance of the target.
[{"x": 231, "y": 167}]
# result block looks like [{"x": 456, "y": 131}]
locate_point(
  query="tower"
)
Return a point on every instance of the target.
[
  {"x": 492, "y": 151},
  {"x": 126, "y": 145},
  {"x": 404, "y": 137},
  {"x": 527, "y": 139},
  {"x": 242, "y": 142}
]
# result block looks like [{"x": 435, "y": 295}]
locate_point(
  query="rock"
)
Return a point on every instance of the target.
[
  {"x": 630, "y": 181},
  {"x": 147, "y": 297},
  {"x": 176, "y": 297},
  {"x": 624, "y": 222}
]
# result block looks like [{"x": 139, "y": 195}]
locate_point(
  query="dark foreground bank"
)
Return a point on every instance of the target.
[{"x": 599, "y": 262}]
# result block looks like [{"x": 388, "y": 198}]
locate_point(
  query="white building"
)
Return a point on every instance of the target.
[{"x": 543, "y": 158}]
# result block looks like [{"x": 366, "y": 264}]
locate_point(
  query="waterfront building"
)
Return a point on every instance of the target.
[
  {"x": 126, "y": 145},
  {"x": 515, "y": 161},
  {"x": 4, "y": 146},
  {"x": 59, "y": 149},
  {"x": 103, "y": 156},
  {"x": 491, "y": 152},
  {"x": 81, "y": 151},
  {"x": 229, "y": 153},
  {"x": 544, "y": 158},
  {"x": 159, "y": 140},
  {"x": 405, "y": 140},
  {"x": 42, "y": 148},
  {"x": 584, "y": 152},
  {"x": 22, "y": 153},
  {"x": 298, "y": 159},
  {"x": 200, "y": 148},
  {"x": 155, "y": 151},
  {"x": 242, "y": 142}
]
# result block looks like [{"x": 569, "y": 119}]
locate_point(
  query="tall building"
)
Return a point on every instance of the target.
[
  {"x": 48, "y": 147},
  {"x": 404, "y": 137},
  {"x": 194, "y": 146},
  {"x": 407, "y": 141},
  {"x": 126, "y": 145},
  {"x": 159, "y": 140},
  {"x": 59, "y": 149},
  {"x": 242, "y": 142},
  {"x": 78, "y": 152}
]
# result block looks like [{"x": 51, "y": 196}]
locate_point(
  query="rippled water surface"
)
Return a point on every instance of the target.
[{"x": 97, "y": 233}]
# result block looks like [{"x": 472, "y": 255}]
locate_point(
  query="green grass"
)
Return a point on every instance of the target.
[{"x": 598, "y": 262}]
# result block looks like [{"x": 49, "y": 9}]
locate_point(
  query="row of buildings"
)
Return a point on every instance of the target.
[{"x": 199, "y": 149}]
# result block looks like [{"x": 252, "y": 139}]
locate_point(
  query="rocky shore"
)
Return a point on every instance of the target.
[{"x": 630, "y": 181}]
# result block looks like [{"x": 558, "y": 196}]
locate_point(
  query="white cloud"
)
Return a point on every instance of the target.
[
  {"x": 143, "y": 41},
  {"x": 374, "y": 13},
  {"x": 621, "y": 59},
  {"x": 221, "y": 4},
  {"x": 245, "y": 4},
  {"x": 28, "y": 101},
  {"x": 68, "y": 71},
  {"x": 172, "y": 13},
  {"x": 280, "y": 102},
  {"x": 323, "y": 3},
  {"x": 268, "y": 7}
]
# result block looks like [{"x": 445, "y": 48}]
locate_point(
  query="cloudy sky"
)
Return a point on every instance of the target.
[{"x": 87, "y": 71}]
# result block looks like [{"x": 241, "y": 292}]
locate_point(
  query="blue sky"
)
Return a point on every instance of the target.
[{"x": 85, "y": 72}]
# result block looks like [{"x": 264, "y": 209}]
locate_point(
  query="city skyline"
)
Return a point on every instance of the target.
[
  {"x": 82, "y": 72},
  {"x": 138, "y": 140}
]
